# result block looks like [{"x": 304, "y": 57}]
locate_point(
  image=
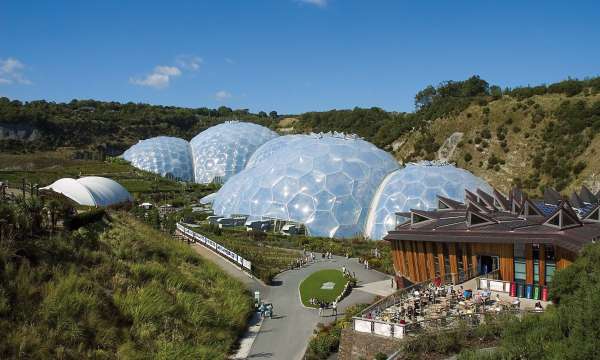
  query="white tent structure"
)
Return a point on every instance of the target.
[{"x": 91, "y": 191}]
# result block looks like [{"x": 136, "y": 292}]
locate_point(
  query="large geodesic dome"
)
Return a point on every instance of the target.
[
  {"x": 223, "y": 150},
  {"x": 416, "y": 187},
  {"x": 324, "y": 181},
  {"x": 162, "y": 155}
]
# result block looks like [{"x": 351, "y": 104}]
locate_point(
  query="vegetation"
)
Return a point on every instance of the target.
[
  {"x": 310, "y": 288},
  {"x": 267, "y": 261},
  {"x": 442, "y": 344},
  {"x": 549, "y": 128},
  {"x": 111, "y": 126},
  {"x": 568, "y": 330},
  {"x": 114, "y": 288},
  {"x": 326, "y": 340},
  {"x": 271, "y": 253}
]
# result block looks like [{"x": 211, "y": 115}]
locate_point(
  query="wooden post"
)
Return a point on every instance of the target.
[
  {"x": 529, "y": 263},
  {"x": 542, "y": 264},
  {"x": 440, "y": 254},
  {"x": 465, "y": 259},
  {"x": 403, "y": 259},
  {"x": 453, "y": 262},
  {"x": 430, "y": 260},
  {"x": 473, "y": 260}
]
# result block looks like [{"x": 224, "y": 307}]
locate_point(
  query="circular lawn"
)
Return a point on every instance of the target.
[{"x": 325, "y": 285}]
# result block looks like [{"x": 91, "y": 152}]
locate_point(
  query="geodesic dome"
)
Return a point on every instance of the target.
[
  {"x": 324, "y": 181},
  {"x": 223, "y": 150},
  {"x": 162, "y": 155},
  {"x": 416, "y": 187}
]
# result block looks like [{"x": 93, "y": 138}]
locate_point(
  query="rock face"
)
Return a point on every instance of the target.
[
  {"x": 22, "y": 132},
  {"x": 447, "y": 149},
  {"x": 355, "y": 345}
]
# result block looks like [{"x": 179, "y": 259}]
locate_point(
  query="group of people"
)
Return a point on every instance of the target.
[
  {"x": 265, "y": 310},
  {"x": 324, "y": 305},
  {"x": 365, "y": 263}
]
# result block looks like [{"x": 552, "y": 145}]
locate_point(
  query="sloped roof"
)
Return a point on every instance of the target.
[
  {"x": 497, "y": 226},
  {"x": 91, "y": 191}
]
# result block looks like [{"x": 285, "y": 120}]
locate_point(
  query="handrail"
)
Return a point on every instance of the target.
[{"x": 395, "y": 298}]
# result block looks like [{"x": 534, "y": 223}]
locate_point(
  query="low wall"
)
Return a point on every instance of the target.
[{"x": 355, "y": 345}]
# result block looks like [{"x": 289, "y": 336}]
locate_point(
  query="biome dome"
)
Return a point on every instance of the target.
[
  {"x": 162, "y": 155},
  {"x": 324, "y": 181},
  {"x": 91, "y": 191},
  {"x": 223, "y": 150},
  {"x": 416, "y": 187}
]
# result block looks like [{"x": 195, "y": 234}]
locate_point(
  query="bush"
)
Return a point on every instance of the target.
[{"x": 468, "y": 157}]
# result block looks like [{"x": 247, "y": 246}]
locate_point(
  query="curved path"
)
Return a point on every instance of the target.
[{"x": 286, "y": 335}]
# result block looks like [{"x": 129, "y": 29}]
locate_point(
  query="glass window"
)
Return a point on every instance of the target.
[
  {"x": 550, "y": 263},
  {"x": 520, "y": 270},
  {"x": 536, "y": 263}
]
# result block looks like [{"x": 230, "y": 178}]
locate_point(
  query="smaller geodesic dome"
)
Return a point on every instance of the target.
[
  {"x": 91, "y": 191},
  {"x": 162, "y": 155},
  {"x": 416, "y": 187},
  {"x": 324, "y": 181},
  {"x": 223, "y": 150}
]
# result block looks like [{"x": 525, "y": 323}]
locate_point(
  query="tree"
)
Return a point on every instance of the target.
[
  {"x": 273, "y": 114},
  {"x": 425, "y": 97}
]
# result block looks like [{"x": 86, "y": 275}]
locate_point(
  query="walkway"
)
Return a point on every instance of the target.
[{"x": 286, "y": 335}]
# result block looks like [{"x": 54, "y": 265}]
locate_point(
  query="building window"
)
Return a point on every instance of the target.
[
  {"x": 459, "y": 260},
  {"x": 550, "y": 263},
  {"x": 520, "y": 270},
  {"x": 536, "y": 263}
]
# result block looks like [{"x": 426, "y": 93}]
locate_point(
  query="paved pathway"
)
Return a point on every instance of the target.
[{"x": 286, "y": 335}]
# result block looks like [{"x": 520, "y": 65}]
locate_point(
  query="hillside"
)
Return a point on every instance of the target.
[
  {"x": 529, "y": 136},
  {"x": 115, "y": 289},
  {"x": 543, "y": 140}
]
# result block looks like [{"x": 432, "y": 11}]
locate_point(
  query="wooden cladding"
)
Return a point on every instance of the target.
[{"x": 421, "y": 261}]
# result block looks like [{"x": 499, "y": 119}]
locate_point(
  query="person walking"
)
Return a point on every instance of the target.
[
  {"x": 334, "y": 308},
  {"x": 320, "y": 309}
]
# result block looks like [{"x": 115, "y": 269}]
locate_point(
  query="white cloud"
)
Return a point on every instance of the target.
[
  {"x": 11, "y": 71},
  {"x": 319, "y": 3},
  {"x": 229, "y": 61},
  {"x": 222, "y": 95},
  {"x": 160, "y": 78},
  {"x": 189, "y": 62}
]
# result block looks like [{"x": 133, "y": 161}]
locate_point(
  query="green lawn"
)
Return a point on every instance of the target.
[{"x": 311, "y": 286}]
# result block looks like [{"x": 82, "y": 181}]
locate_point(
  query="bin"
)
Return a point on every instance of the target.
[
  {"x": 536, "y": 292},
  {"x": 529, "y": 291},
  {"x": 545, "y": 293},
  {"x": 520, "y": 291},
  {"x": 513, "y": 289}
]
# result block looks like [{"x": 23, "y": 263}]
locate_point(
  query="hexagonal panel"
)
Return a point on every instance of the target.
[
  {"x": 162, "y": 155},
  {"x": 223, "y": 150},
  {"x": 339, "y": 177},
  {"x": 416, "y": 187}
]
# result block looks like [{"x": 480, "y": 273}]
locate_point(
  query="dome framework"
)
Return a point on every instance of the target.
[{"x": 324, "y": 181}]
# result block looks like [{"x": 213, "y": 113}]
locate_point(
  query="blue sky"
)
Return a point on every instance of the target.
[{"x": 287, "y": 55}]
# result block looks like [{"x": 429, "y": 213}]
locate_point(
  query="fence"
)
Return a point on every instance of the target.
[
  {"x": 199, "y": 238},
  {"x": 363, "y": 323}
]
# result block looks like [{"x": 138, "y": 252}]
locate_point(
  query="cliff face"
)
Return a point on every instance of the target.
[
  {"x": 19, "y": 132},
  {"x": 508, "y": 141}
]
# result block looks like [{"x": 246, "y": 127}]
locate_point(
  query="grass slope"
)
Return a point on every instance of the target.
[
  {"x": 311, "y": 286},
  {"x": 116, "y": 290}
]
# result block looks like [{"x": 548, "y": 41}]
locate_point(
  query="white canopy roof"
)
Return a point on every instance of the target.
[{"x": 91, "y": 191}]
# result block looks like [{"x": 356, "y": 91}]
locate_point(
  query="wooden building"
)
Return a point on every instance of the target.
[{"x": 519, "y": 239}]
